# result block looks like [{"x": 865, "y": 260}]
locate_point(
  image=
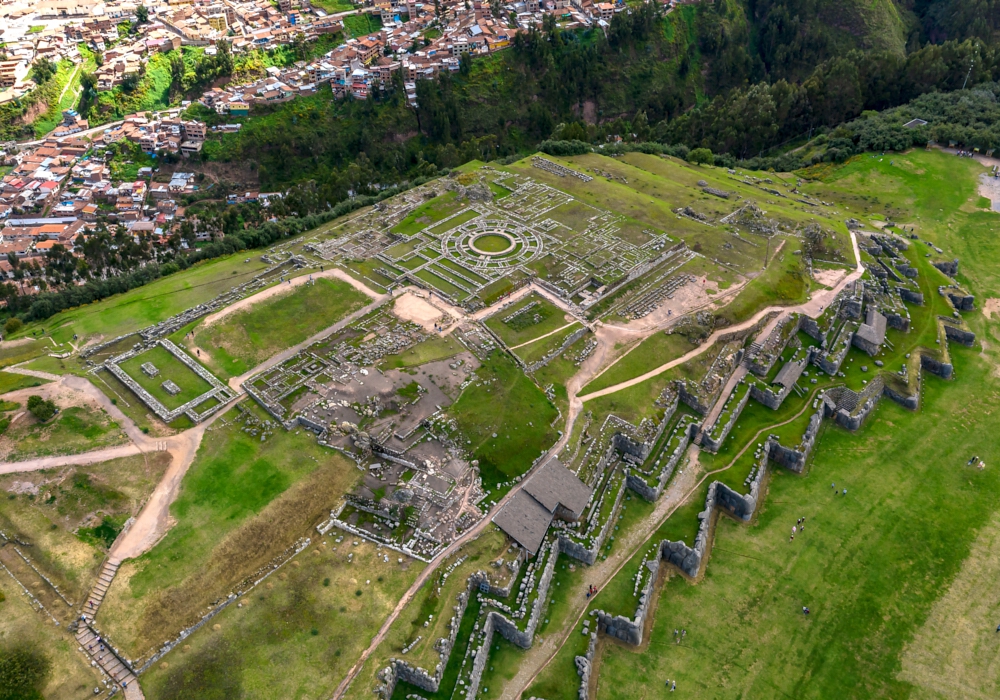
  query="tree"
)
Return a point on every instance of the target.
[
  {"x": 131, "y": 81},
  {"x": 701, "y": 155},
  {"x": 42, "y": 70},
  {"x": 23, "y": 672},
  {"x": 13, "y": 325},
  {"x": 40, "y": 408},
  {"x": 300, "y": 47},
  {"x": 142, "y": 14}
]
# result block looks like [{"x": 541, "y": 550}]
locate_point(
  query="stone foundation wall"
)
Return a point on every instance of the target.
[
  {"x": 570, "y": 339},
  {"x": 712, "y": 444},
  {"x": 584, "y": 665},
  {"x": 962, "y": 302},
  {"x": 909, "y": 296},
  {"x": 959, "y": 335},
  {"x": 948, "y": 267},
  {"x": 935, "y": 366},
  {"x": 900, "y": 323},
  {"x": 794, "y": 459}
]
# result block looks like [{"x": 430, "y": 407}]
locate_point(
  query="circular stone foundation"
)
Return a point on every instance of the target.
[{"x": 492, "y": 243}]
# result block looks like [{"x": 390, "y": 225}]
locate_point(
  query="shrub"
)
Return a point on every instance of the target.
[
  {"x": 40, "y": 408},
  {"x": 701, "y": 155},
  {"x": 13, "y": 325}
]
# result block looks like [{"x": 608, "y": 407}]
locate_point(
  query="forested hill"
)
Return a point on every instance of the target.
[{"x": 737, "y": 76}]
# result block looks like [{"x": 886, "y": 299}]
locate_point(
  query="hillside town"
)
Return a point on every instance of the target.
[
  {"x": 57, "y": 191},
  {"x": 419, "y": 39}
]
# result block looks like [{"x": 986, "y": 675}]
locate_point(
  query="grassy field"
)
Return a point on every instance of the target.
[
  {"x": 149, "y": 304},
  {"x": 74, "y": 429},
  {"x": 12, "y": 382},
  {"x": 64, "y": 521},
  {"x": 652, "y": 352},
  {"x": 170, "y": 369},
  {"x": 870, "y": 567},
  {"x": 294, "y": 636},
  {"x": 506, "y": 418},
  {"x": 242, "y": 502},
  {"x": 241, "y": 341},
  {"x": 70, "y": 676},
  {"x": 435, "y": 348}
]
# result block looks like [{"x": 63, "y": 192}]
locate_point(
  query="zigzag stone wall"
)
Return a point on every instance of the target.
[{"x": 794, "y": 459}]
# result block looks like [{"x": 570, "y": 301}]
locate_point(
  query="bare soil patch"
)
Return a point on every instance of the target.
[
  {"x": 991, "y": 306},
  {"x": 829, "y": 278},
  {"x": 413, "y": 308}
]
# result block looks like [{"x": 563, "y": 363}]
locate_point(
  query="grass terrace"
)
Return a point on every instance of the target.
[{"x": 170, "y": 369}]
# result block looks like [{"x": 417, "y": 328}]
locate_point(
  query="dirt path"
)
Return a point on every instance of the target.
[
  {"x": 535, "y": 340},
  {"x": 283, "y": 288},
  {"x": 814, "y": 307}
]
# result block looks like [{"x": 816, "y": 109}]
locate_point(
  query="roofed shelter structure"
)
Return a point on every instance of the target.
[{"x": 551, "y": 492}]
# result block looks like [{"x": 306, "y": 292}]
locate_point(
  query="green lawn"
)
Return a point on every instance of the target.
[
  {"x": 242, "y": 502},
  {"x": 507, "y": 421},
  {"x": 429, "y": 350},
  {"x": 239, "y": 342},
  {"x": 362, "y": 24},
  {"x": 170, "y": 369},
  {"x": 428, "y": 213},
  {"x": 652, "y": 352},
  {"x": 12, "y": 382},
  {"x": 149, "y": 304}
]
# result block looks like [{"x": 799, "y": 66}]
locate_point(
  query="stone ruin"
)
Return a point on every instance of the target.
[{"x": 752, "y": 218}]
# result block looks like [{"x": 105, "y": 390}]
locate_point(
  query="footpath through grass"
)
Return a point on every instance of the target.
[{"x": 241, "y": 341}]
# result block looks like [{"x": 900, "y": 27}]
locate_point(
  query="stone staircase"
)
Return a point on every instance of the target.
[
  {"x": 100, "y": 651},
  {"x": 108, "y": 660},
  {"x": 100, "y": 588}
]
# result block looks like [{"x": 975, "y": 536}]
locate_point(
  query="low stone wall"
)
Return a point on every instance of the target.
[
  {"x": 911, "y": 297},
  {"x": 584, "y": 665},
  {"x": 570, "y": 339},
  {"x": 713, "y": 444}
]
